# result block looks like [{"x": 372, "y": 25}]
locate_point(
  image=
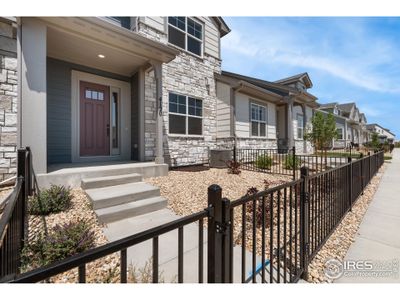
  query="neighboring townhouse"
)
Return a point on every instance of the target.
[
  {"x": 102, "y": 89},
  {"x": 384, "y": 134},
  {"x": 350, "y": 122},
  {"x": 342, "y": 140},
  {"x": 255, "y": 113}
]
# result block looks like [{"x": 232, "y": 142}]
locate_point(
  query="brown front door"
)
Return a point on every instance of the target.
[{"x": 94, "y": 119}]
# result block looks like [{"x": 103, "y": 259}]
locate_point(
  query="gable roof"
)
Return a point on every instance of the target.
[
  {"x": 295, "y": 78},
  {"x": 346, "y": 106},
  {"x": 222, "y": 26},
  {"x": 328, "y": 105},
  {"x": 271, "y": 86}
]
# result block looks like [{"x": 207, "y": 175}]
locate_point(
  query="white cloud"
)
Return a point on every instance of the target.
[{"x": 350, "y": 56}]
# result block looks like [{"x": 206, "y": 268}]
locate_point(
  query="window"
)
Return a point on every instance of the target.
[
  {"x": 300, "y": 127},
  {"x": 186, "y": 33},
  {"x": 339, "y": 133},
  {"x": 94, "y": 95},
  {"x": 185, "y": 115},
  {"x": 258, "y": 120}
]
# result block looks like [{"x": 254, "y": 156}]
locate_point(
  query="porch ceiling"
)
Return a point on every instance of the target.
[
  {"x": 71, "y": 48},
  {"x": 81, "y": 40}
]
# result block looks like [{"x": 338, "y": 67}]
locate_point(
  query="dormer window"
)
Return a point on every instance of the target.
[{"x": 186, "y": 33}]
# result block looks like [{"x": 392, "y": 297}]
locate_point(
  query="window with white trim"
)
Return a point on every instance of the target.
[
  {"x": 185, "y": 115},
  {"x": 258, "y": 120},
  {"x": 339, "y": 133},
  {"x": 186, "y": 33},
  {"x": 300, "y": 126}
]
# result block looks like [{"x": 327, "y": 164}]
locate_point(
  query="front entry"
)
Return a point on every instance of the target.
[{"x": 94, "y": 119}]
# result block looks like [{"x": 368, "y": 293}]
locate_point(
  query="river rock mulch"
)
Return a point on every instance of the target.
[
  {"x": 105, "y": 269},
  {"x": 340, "y": 241},
  {"x": 186, "y": 189}
]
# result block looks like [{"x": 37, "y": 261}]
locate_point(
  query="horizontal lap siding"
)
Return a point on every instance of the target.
[
  {"x": 157, "y": 23},
  {"x": 223, "y": 110},
  {"x": 59, "y": 107},
  {"x": 243, "y": 116},
  {"x": 58, "y": 112},
  {"x": 211, "y": 37}
]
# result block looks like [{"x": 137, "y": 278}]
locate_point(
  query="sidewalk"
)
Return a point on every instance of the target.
[{"x": 378, "y": 238}]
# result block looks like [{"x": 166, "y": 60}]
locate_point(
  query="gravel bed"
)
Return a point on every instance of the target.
[
  {"x": 340, "y": 241},
  {"x": 186, "y": 191},
  {"x": 105, "y": 269}
]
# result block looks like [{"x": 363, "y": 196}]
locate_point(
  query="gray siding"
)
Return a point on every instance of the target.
[
  {"x": 59, "y": 107},
  {"x": 135, "y": 117}
]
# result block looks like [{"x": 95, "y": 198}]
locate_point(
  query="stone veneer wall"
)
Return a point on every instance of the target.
[
  {"x": 8, "y": 101},
  {"x": 187, "y": 75},
  {"x": 245, "y": 143},
  {"x": 300, "y": 147}
]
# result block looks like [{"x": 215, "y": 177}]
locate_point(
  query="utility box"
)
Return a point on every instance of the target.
[{"x": 219, "y": 157}]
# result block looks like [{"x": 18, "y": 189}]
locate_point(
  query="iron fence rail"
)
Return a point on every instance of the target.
[
  {"x": 13, "y": 221},
  {"x": 280, "y": 229}
]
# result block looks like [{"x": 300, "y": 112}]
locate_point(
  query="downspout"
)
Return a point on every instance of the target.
[{"x": 234, "y": 90}]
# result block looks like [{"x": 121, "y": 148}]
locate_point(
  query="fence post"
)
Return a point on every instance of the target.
[
  {"x": 21, "y": 168},
  {"x": 294, "y": 162},
  {"x": 362, "y": 161},
  {"x": 304, "y": 220},
  {"x": 234, "y": 154},
  {"x": 218, "y": 239},
  {"x": 350, "y": 183}
]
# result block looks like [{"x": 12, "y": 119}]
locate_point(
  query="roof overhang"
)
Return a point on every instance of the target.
[{"x": 81, "y": 39}]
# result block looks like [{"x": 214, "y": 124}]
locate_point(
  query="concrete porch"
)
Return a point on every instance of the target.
[{"x": 72, "y": 174}]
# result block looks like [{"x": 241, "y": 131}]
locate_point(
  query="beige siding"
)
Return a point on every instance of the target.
[
  {"x": 243, "y": 116},
  {"x": 223, "y": 110},
  {"x": 157, "y": 23},
  {"x": 211, "y": 37}
]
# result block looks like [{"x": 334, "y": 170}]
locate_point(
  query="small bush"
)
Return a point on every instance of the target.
[
  {"x": 289, "y": 164},
  {"x": 55, "y": 199},
  {"x": 258, "y": 209},
  {"x": 62, "y": 241},
  {"x": 263, "y": 162},
  {"x": 233, "y": 167}
]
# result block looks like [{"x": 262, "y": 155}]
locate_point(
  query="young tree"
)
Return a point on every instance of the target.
[
  {"x": 322, "y": 132},
  {"x": 375, "y": 144}
]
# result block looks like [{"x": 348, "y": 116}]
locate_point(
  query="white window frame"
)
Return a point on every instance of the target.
[
  {"x": 186, "y": 34},
  {"x": 300, "y": 127},
  {"x": 265, "y": 107},
  {"x": 186, "y": 115},
  {"x": 342, "y": 129}
]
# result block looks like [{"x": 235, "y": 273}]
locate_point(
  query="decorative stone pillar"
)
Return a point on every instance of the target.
[{"x": 159, "y": 159}]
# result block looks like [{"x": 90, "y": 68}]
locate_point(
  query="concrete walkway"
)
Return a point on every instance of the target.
[
  {"x": 168, "y": 248},
  {"x": 378, "y": 238}
]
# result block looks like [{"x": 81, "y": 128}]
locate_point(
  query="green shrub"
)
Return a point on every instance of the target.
[
  {"x": 289, "y": 164},
  {"x": 55, "y": 199},
  {"x": 263, "y": 161},
  {"x": 62, "y": 241}
]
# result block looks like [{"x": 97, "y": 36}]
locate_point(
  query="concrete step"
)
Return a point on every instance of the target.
[
  {"x": 120, "y": 194},
  {"x": 99, "y": 182},
  {"x": 131, "y": 209}
]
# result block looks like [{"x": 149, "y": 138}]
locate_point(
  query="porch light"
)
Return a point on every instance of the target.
[{"x": 101, "y": 56}]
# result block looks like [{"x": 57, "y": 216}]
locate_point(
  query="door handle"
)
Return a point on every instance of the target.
[{"x": 108, "y": 129}]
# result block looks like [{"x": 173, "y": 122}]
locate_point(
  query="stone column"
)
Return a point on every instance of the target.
[
  {"x": 289, "y": 123},
  {"x": 159, "y": 159},
  {"x": 32, "y": 100}
]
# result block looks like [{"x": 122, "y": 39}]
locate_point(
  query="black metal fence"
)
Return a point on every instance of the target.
[
  {"x": 13, "y": 221},
  {"x": 268, "y": 236},
  {"x": 288, "y": 161},
  {"x": 273, "y": 161}
]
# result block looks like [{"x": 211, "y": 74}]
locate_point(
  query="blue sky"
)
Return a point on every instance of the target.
[{"x": 348, "y": 59}]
